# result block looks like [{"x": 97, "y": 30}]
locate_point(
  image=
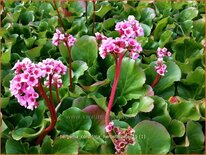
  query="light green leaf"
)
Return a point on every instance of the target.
[
  {"x": 189, "y": 112},
  {"x": 73, "y": 119},
  {"x": 103, "y": 10},
  {"x": 164, "y": 38},
  {"x": 188, "y": 14},
  {"x": 85, "y": 49}
]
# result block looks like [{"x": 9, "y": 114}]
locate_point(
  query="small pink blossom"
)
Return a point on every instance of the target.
[{"x": 109, "y": 127}]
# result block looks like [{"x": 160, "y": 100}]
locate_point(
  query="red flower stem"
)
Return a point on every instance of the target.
[
  {"x": 114, "y": 87},
  {"x": 155, "y": 82},
  {"x": 57, "y": 93},
  {"x": 93, "y": 16},
  {"x": 52, "y": 113},
  {"x": 59, "y": 16},
  {"x": 3, "y": 7},
  {"x": 86, "y": 11},
  {"x": 70, "y": 65}
]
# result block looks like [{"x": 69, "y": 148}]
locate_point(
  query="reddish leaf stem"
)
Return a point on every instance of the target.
[
  {"x": 155, "y": 82},
  {"x": 114, "y": 87},
  {"x": 59, "y": 16},
  {"x": 52, "y": 113},
  {"x": 57, "y": 93}
]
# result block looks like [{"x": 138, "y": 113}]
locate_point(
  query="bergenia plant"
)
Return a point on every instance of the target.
[
  {"x": 119, "y": 47},
  {"x": 27, "y": 86},
  {"x": 68, "y": 41}
]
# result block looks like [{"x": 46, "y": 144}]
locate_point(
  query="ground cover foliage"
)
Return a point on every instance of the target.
[{"x": 168, "y": 118}]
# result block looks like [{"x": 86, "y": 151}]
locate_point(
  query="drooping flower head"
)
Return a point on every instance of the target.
[
  {"x": 130, "y": 28},
  {"x": 122, "y": 137},
  {"x": 23, "y": 85},
  {"x": 68, "y": 39}
]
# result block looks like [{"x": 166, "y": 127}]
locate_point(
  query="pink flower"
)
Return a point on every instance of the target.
[
  {"x": 129, "y": 28},
  {"x": 109, "y": 127},
  {"x": 134, "y": 55},
  {"x": 160, "y": 68},
  {"x": 68, "y": 39},
  {"x": 100, "y": 37},
  {"x": 162, "y": 52},
  {"x": 23, "y": 85}
]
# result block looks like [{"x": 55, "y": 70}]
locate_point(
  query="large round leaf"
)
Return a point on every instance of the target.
[
  {"x": 85, "y": 49},
  {"x": 151, "y": 138},
  {"x": 131, "y": 81},
  {"x": 73, "y": 119}
]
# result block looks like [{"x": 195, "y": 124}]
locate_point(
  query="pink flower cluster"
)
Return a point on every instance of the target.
[
  {"x": 123, "y": 137},
  {"x": 125, "y": 43},
  {"x": 68, "y": 39},
  {"x": 162, "y": 52},
  {"x": 118, "y": 45},
  {"x": 28, "y": 76},
  {"x": 130, "y": 28},
  {"x": 160, "y": 67}
]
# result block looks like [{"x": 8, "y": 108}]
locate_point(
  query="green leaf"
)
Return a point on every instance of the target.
[
  {"x": 65, "y": 146},
  {"x": 59, "y": 146},
  {"x": 196, "y": 137},
  {"x": 188, "y": 14},
  {"x": 165, "y": 38},
  {"x": 147, "y": 29},
  {"x": 159, "y": 27},
  {"x": 4, "y": 102},
  {"x": 6, "y": 57},
  {"x": 85, "y": 49},
  {"x": 189, "y": 112},
  {"x": 151, "y": 138},
  {"x": 78, "y": 68},
  {"x": 196, "y": 77},
  {"x": 145, "y": 105},
  {"x": 130, "y": 85},
  {"x": 27, "y": 17},
  {"x": 73, "y": 119},
  {"x": 173, "y": 74},
  {"x": 24, "y": 122},
  {"x": 176, "y": 128},
  {"x": 103, "y": 10},
  {"x": 46, "y": 147},
  {"x": 23, "y": 133},
  {"x": 64, "y": 52},
  {"x": 109, "y": 23},
  {"x": 187, "y": 26},
  {"x": 34, "y": 52},
  {"x": 30, "y": 41},
  {"x": 15, "y": 147},
  {"x": 164, "y": 7}
]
